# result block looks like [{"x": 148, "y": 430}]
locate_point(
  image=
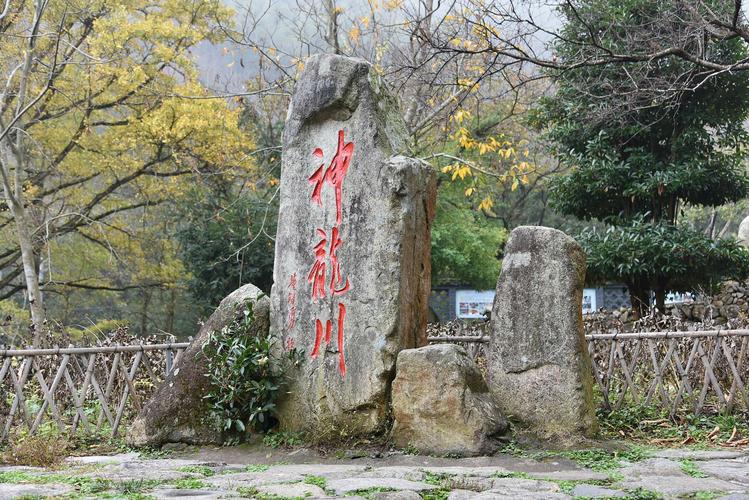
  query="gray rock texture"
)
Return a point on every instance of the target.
[
  {"x": 352, "y": 248},
  {"x": 743, "y": 235},
  {"x": 538, "y": 366},
  {"x": 441, "y": 403},
  {"x": 176, "y": 412}
]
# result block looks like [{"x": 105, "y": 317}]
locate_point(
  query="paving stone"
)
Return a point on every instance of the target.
[
  {"x": 467, "y": 471},
  {"x": 294, "y": 490},
  {"x": 461, "y": 495},
  {"x": 593, "y": 491},
  {"x": 188, "y": 494},
  {"x": 343, "y": 486},
  {"x": 34, "y": 490},
  {"x": 525, "y": 495},
  {"x": 398, "y": 471},
  {"x": 397, "y": 495},
  {"x": 522, "y": 485},
  {"x": 104, "y": 459},
  {"x": 252, "y": 479},
  {"x": 473, "y": 483},
  {"x": 735, "y": 496},
  {"x": 735, "y": 470},
  {"x": 328, "y": 471},
  {"x": 666, "y": 477},
  {"x": 679, "y": 453},
  {"x": 570, "y": 475}
]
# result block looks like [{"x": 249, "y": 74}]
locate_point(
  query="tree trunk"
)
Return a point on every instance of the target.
[
  {"x": 36, "y": 304},
  {"x": 639, "y": 296},
  {"x": 144, "y": 312},
  {"x": 171, "y": 307}
]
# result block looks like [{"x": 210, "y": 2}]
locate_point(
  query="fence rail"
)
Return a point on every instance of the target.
[
  {"x": 680, "y": 372},
  {"x": 71, "y": 388},
  {"x": 96, "y": 389}
]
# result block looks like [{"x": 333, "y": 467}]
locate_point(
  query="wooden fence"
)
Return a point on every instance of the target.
[
  {"x": 680, "y": 372},
  {"x": 93, "y": 389},
  {"x": 96, "y": 389}
]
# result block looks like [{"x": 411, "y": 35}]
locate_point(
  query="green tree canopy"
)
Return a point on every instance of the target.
[{"x": 637, "y": 172}]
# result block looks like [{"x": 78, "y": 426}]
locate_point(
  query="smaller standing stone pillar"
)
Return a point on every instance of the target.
[
  {"x": 743, "y": 235},
  {"x": 539, "y": 368}
]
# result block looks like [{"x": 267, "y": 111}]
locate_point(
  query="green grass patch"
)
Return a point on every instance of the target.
[
  {"x": 642, "y": 494},
  {"x": 648, "y": 424},
  {"x": 257, "y": 468},
  {"x": 189, "y": 483},
  {"x": 316, "y": 481},
  {"x": 286, "y": 439},
  {"x": 439, "y": 494},
  {"x": 369, "y": 492},
  {"x": 511, "y": 474},
  {"x": 605, "y": 460},
  {"x": 203, "y": 470},
  {"x": 689, "y": 467}
]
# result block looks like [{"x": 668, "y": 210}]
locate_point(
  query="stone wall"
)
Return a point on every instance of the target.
[{"x": 727, "y": 309}]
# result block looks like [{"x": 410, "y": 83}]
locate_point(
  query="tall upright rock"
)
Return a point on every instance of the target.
[
  {"x": 352, "y": 265},
  {"x": 538, "y": 365},
  {"x": 743, "y": 235}
]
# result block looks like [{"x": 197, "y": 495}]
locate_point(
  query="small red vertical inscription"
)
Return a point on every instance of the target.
[
  {"x": 291, "y": 299},
  {"x": 334, "y": 175}
]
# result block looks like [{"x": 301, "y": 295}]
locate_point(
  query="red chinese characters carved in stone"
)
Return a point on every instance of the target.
[
  {"x": 328, "y": 336},
  {"x": 333, "y": 175},
  {"x": 317, "y": 273}
]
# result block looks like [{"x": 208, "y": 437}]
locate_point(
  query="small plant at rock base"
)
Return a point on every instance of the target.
[
  {"x": 257, "y": 468},
  {"x": 411, "y": 450},
  {"x": 282, "y": 438},
  {"x": 245, "y": 377}
]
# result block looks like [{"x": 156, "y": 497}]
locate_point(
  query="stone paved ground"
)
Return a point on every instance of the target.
[{"x": 246, "y": 472}]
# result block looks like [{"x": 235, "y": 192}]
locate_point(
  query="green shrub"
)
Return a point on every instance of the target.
[{"x": 245, "y": 376}]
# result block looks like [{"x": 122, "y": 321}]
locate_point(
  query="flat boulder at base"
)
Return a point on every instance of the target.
[
  {"x": 538, "y": 366},
  {"x": 352, "y": 264},
  {"x": 442, "y": 405},
  {"x": 177, "y": 411}
]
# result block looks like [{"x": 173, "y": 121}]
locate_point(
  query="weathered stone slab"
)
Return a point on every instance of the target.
[
  {"x": 344, "y": 486},
  {"x": 666, "y": 477},
  {"x": 352, "y": 266},
  {"x": 293, "y": 490},
  {"x": 686, "y": 453},
  {"x": 177, "y": 411},
  {"x": 28, "y": 491},
  {"x": 539, "y": 368},
  {"x": 441, "y": 403},
  {"x": 594, "y": 491}
]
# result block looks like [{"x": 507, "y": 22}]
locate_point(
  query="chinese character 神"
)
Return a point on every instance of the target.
[{"x": 333, "y": 175}]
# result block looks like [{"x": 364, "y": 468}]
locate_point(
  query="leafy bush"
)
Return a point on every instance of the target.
[
  {"x": 245, "y": 376},
  {"x": 661, "y": 257}
]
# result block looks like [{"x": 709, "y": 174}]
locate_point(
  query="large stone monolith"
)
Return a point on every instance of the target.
[
  {"x": 352, "y": 272},
  {"x": 538, "y": 366}
]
